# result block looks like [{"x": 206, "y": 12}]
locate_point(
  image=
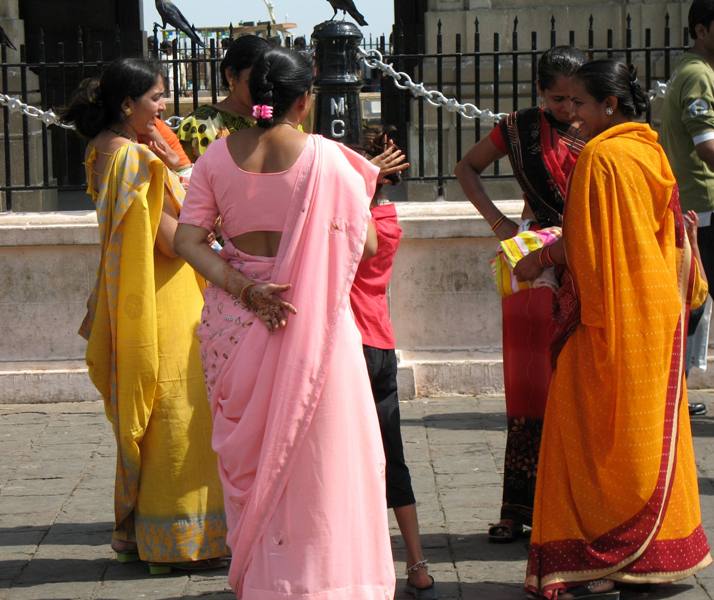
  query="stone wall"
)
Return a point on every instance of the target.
[{"x": 445, "y": 310}]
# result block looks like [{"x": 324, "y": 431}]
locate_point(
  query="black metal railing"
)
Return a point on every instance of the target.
[
  {"x": 502, "y": 80},
  {"x": 37, "y": 157}
]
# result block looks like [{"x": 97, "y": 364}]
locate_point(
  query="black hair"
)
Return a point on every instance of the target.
[
  {"x": 701, "y": 12},
  {"x": 558, "y": 61},
  {"x": 241, "y": 54},
  {"x": 96, "y": 103},
  {"x": 607, "y": 77},
  {"x": 279, "y": 77}
]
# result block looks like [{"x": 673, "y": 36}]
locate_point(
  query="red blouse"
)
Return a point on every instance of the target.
[{"x": 369, "y": 290}]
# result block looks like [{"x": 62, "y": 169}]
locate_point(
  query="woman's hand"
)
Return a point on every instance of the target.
[
  {"x": 264, "y": 300},
  {"x": 159, "y": 147},
  {"x": 391, "y": 161},
  {"x": 528, "y": 268},
  {"x": 691, "y": 224}
]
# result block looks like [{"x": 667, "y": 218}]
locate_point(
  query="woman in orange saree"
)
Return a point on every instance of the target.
[{"x": 617, "y": 496}]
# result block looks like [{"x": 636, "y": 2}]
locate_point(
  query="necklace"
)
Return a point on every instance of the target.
[
  {"x": 293, "y": 125},
  {"x": 123, "y": 134}
]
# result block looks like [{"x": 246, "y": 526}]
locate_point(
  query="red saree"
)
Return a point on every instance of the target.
[{"x": 542, "y": 153}]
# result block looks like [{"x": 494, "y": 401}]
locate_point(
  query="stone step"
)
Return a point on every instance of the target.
[
  {"x": 45, "y": 382},
  {"x": 420, "y": 375}
]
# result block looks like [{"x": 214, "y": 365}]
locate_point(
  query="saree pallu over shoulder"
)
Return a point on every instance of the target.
[
  {"x": 280, "y": 403},
  {"x": 617, "y": 413},
  {"x": 542, "y": 152},
  {"x": 142, "y": 355}
]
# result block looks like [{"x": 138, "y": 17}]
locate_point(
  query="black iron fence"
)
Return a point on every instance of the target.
[
  {"x": 40, "y": 158},
  {"x": 501, "y": 79}
]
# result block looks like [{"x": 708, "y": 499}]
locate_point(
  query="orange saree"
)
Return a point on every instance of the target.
[{"x": 617, "y": 493}]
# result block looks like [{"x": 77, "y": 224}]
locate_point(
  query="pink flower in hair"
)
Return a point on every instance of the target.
[{"x": 262, "y": 112}]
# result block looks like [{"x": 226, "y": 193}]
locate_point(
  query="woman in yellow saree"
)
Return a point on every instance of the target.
[
  {"x": 142, "y": 350},
  {"x": 617, "y": 497}
]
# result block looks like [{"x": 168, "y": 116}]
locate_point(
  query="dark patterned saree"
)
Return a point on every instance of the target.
[{"x": 542, "y": 153}]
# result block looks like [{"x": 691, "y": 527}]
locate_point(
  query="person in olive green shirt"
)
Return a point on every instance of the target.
[{"x": 688, "y": 133}]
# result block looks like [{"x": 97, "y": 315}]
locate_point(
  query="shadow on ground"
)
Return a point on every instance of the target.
[
  {"x": 79, "y": 534},
  {"x": 476, "y": 421}
]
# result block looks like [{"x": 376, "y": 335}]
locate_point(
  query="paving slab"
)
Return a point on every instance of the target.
[{"x": 57, "y": 477}]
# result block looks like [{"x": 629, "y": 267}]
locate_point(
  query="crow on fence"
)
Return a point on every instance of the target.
[
  {"x": 348, "y": 6},
  {"x": 170, "y": 14},
  {"x": 6, "y": 40}
]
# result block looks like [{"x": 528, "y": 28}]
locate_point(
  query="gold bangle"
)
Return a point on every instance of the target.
[
  {"x": 244, "y": 292},
  {"x": 498, "y": 223}
]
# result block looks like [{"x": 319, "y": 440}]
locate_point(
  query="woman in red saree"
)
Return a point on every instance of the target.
[
  {"x": 542, "y": 148},
  {"x": 617, "y": 497},
  {"x": 295, "y": 429}
]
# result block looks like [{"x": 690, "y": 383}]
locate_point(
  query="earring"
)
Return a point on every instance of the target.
[
  {"x": 128, "y": 111},
  {"x": 609, "y": 111}
]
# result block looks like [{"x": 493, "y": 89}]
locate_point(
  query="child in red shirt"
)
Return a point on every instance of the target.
[{"x": 370, "y": 307}]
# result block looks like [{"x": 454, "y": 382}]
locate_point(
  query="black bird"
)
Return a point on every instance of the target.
[
  {"x": 6, "y": 40},
  {"x": 170, "y": 14},
  {"x": 348, "y": 6}
]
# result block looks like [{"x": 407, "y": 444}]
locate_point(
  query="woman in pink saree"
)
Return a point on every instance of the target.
[{"x": 295, "y": 429}]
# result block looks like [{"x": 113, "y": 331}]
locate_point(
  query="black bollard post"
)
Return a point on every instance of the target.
[{"x": 338, "y": 112}]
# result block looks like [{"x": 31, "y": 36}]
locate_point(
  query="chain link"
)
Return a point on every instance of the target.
[
  {"x": 48, "y": 117},
  {"x": 372, "y": 58},
  {"x": 375, "y": 60}
]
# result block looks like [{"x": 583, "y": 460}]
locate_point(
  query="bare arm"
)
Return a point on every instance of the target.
[
  {"x": 371, "y": 245},
  {"x": 468, "y": 172},
  {"x": 531, "y": 266},
  {"x": 705, "y": 151},
  {"x": 167, "y": 229},
  {"x": 263, "y": 299}
]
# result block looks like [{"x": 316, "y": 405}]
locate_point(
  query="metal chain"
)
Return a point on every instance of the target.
[
  {"x": 372, "y": 58},
  {"x": 375, "y": 60},
  {"x": 48, "y": 117}
]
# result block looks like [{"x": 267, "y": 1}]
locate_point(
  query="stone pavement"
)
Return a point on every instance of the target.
[{"x": 56, "y": 481}]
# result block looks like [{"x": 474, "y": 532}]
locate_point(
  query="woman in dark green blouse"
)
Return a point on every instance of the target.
[{"x": 212, "y": 121}]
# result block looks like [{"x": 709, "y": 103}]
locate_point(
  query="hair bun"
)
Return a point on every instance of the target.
[
  {"x": 94, "y": 92},
  {"x": 632, "y": 70}
]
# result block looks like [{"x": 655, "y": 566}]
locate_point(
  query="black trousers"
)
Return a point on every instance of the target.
[{"x": 382, "y": 369}]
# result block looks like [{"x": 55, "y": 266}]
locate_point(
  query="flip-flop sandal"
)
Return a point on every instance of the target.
[
  {"x": 199, "y": 565},
  {"x": 584, "y": 591},
  {"x": 126, "y": 556},
  {"x": 428, "y": 593},
  {"x": 504, "y": 533}
]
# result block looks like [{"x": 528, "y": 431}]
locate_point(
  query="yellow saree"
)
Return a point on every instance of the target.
[
  {"x": 617, "y": 494},
  {"x": 143, "y": 357}
]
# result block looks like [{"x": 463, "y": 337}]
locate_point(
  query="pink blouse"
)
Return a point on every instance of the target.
[{"x": 246, "y": 201}]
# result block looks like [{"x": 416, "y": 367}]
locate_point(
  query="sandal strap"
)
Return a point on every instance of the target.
[{"x": 420, "y": 564}]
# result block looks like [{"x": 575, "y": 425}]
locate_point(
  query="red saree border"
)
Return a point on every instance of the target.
[{"x": 556, "y": 565}]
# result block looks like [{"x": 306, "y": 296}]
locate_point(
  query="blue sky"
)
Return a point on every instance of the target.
[{"x": 305, "y": 13}]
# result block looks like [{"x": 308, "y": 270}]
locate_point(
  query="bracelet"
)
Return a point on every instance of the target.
[
  {"x": 498, "y": 223},
  {"x": 545, "y": 260},
  {"x": 226, "y": 274},
  {"x": 244, "y": 293}
]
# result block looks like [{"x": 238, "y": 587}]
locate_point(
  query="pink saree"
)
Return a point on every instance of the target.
[{"x": 295, "y": 430}]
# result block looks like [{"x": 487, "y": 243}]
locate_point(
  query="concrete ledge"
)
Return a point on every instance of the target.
[
  {"x": 420, "y": 375},
  {"x": 46, "y": 382},
  {"x": 49, "y": 229},
  {"x": 443, "y": 220}
]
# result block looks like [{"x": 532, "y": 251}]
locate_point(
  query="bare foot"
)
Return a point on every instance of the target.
[{"x": 122, "y": 546}]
